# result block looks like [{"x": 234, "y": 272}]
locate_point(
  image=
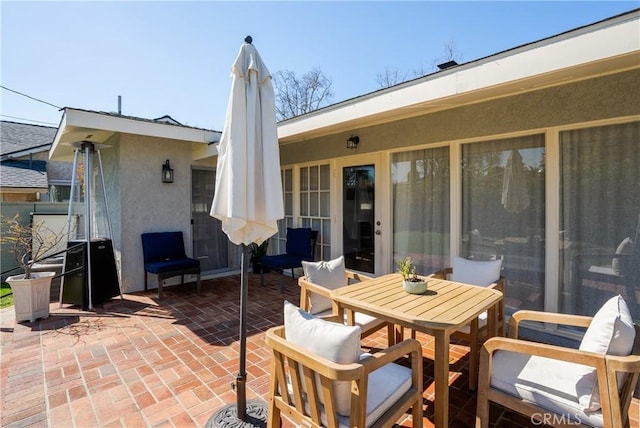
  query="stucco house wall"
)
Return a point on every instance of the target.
[
  {"x": 145, "y": 204},
  {"x": 601, "y": 98}
]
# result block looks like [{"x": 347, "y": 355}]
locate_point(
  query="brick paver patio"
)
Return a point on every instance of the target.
[{"x": 140, "y": 362}]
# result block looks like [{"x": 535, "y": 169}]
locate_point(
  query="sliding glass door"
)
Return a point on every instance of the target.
[
  {"x": 600, "y": 217},
  {"x": 421, "y": 201},
  {"x": 210, "y": 244},
  {"x": 503, "y": 213}
]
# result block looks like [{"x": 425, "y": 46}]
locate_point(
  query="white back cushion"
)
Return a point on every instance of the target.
[
  {"x": 625, "y": 247},
  {"x": 336, "y": 342},
  {"x": 611, "y": 332},
  {"x": 328, "y": 274},
  {"x": 475, "y": 272}
]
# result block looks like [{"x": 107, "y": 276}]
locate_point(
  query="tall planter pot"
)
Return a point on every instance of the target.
[{"x": 31, "y": 296}]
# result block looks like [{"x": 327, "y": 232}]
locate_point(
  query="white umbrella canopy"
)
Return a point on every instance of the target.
[
  {"x": 515, "y": 195},
  {"x": 248, "y": 191},
  {"x": 248, "y": 194}
]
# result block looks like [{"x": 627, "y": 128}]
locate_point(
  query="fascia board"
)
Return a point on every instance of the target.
[
  {"x": 78, "y": 125},
  {"x": 125, "y": 125}
]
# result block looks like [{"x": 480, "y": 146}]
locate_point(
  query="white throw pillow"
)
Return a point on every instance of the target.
[
  {"x": 611, "y": 332},
  {"x": 328, "y": 274},
  {"x": 336, "y": 342},
  {"x": 475, "y": 272}
]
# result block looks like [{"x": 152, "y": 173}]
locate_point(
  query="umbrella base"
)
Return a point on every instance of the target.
[{"x": 227, "y": 416}]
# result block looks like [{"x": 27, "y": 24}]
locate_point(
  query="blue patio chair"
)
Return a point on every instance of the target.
[
  {"x": 165, "y": 257},
  {"x": 301, "y": 245}
]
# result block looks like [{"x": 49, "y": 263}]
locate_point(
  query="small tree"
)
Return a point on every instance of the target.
[
  {"x": 298, "y": 95},
  {"x": 31, "y": 243}
]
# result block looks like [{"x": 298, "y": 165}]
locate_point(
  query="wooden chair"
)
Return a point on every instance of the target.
[
  {"x": 367, "y": 323},
  {"x": 612, "y": 270},
  {"x": 476, "y": 332},
  {"x": 541, "y": 381},
  {"x": 301, "y": 385}
]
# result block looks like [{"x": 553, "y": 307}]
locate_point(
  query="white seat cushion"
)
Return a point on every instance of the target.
[
  {"x": 603, "y": 270},
  {"x": 482, "y": 321},
  {"x": 474, "y": 272},
  {"x": 386, "y": 386},
  {"x": 550, "y": 384},
  {"x": 328, "y": 274},
  {"x": 366, "y": 322},
  {"x": 336, "y": 342},
  {"x": 611, "y": 332}
]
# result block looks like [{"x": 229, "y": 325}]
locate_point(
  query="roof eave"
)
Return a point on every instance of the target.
[
  {"x": 83, "y": 125},
  {"x": 606, "y": 47}
]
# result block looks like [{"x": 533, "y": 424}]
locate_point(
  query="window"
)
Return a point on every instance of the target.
[
  {"x": 315, "y": 206},
  {"x": 277, "y": 244},
  {"x": 503, "y": 213},
  {"x": 600, "y": 217},
  {"x": 421, "y": 195},
  {"x": 59, "y": 192}
]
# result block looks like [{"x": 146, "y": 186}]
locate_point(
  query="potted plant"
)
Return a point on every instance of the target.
[
  {"x": 30, "y": 244},
  {"x": 411, "y": 282},
  {"x": 257, "y": 251}
]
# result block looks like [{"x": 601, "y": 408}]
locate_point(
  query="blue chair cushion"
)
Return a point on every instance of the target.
[
  {"x": 171, "y": 265},
  {"x": 299, "y": 241},
  {"x": 161, "y": 246},
  {"x": 282, "y": 261}
]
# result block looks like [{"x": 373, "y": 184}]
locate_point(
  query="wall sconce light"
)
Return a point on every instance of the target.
[
  {"x": 352, "y": 142},
  {"x": 167, "y": 172}
]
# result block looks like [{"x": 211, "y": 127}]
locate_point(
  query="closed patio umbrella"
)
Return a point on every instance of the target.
[
  {"x": 515, "y": 195},
  {"x": 248, "y": 191}
]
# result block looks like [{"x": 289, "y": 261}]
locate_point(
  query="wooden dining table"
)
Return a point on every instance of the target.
[{"x": 441, "y": 310}]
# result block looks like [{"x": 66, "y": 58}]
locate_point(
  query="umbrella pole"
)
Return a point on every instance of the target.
[
  {"x": 243, "y": 414},
  {"x": 241, "y": 379}
]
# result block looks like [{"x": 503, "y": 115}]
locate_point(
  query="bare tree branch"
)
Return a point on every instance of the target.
[
  {"x": 390, "y": 77},
  {"x": 298, "y": 95}
]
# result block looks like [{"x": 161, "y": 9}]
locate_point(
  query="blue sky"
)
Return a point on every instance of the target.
[{"x": 174, "y": 57}]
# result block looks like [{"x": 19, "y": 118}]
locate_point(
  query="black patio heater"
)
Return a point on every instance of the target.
[{"x": 90, "y": 274}]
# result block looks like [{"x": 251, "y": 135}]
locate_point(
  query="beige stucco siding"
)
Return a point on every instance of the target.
[
  {"x": 601, "y": 98},
  {"x": 147, "y": 204}
]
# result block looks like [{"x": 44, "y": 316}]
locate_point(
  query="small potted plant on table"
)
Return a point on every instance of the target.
[
  {"x": 411, "y": 282},
  {"x": 30, "y": 244}
]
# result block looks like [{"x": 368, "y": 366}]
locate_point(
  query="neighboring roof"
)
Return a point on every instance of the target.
[
  {"x": 605, "y": 47},
  {"x": 97, "y": 126},
  {"x": 167, "y": 119},
  {"x": 24, "y": 174},
  {"x": 20, "y": 139}
]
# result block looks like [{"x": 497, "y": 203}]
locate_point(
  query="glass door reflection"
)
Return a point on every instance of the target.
[{"x": 358, "y": 214}]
